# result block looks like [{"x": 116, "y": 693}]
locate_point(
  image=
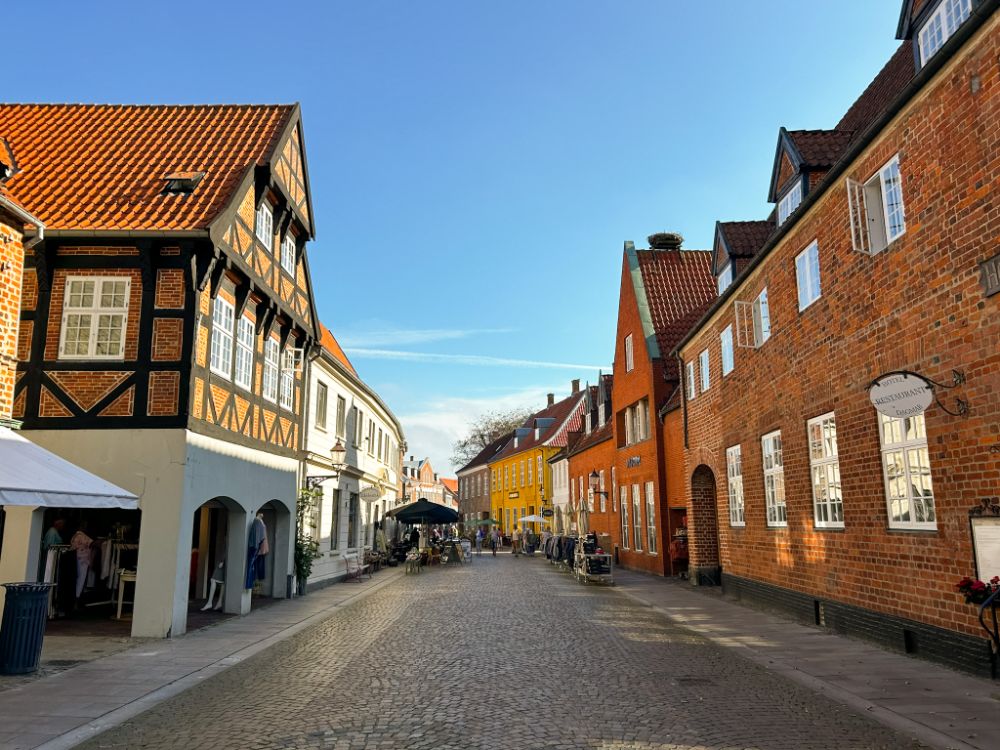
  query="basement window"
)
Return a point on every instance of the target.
[{"x": 182, "y": 183}]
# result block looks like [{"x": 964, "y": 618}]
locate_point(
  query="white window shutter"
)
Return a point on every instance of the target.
[
  {"x": 860, "y": 237},
  {"x": 744, "y": 325}
]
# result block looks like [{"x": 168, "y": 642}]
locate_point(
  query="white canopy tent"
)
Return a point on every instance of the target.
[{"x": 31, "y": 475}]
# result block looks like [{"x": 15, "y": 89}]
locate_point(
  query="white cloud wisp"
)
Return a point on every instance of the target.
[{"x": 474, "y": 360}]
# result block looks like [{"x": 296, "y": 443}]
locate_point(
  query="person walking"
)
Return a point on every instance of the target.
[
  {"x": 494, "y": 540},
  {"x": 479, "y": 542},
  {"x": 515, "y": 542}
]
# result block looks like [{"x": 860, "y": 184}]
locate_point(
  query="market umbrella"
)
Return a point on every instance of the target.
[
  {"x": 484, "y": 522},
  {"x": 424, "y": 511},
  {"x": 534, "y": 519}
]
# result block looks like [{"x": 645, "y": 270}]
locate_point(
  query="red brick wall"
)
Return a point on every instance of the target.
[
  {"x": 11, "y": 263},
  {"x": 599, "y": 457},
  {"x": 644, "y": 381},
  {"x": 918, "y": 305}
]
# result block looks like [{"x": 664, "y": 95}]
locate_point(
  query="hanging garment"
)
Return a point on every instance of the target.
[{"x": 256, "y": 550}]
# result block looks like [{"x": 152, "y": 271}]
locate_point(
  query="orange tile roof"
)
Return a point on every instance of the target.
[
  {"x": 679, "y": 288},
  {"x": 102, "y": 167},
  {"x": 328, "y": 342},
  {"x": 451, "y": 484}
]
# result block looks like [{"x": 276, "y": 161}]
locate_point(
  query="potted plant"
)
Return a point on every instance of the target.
[
  {"x": 976, "y": 591},
  {"x": 306, "y": 543}
]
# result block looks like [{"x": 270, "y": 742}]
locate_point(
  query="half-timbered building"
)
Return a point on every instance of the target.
[{"x": 164, "y": 318}]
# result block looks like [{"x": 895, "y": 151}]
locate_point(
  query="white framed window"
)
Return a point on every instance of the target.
[
  {"x": 590, "y": 494},
  {"x": 531, "y": 478},
  {"x": 761, "y": 318},
  {"x": 940, "y": 26},
  {"x": 341, "y": 416},
  {"x": 734, "y": 480},
  {"x": 371, "y": 438},
  {"x": 95, "y": 313},
  {"x": 650, "y": 519},
  {"x": 264, "y": 224},
  {"x": 221, "y": 362},
  {"x": 909, "y": 492},
  {"x": 624, "y": 506},
  {"x": 637, "y": 518},
  {"x": 692, "y": 386},
  {"x": 359, "y": 427},
  {"x": 287, "y": 393},
  {"x": 706, "y": 378},
  {"x": 245, "y": 336},
  {"x": 726, "y": 345},
  {"x": 877, "y": 212},
  {"x": 614, "y": 491},
  {"x": 637, "y": 422},
  {"x": 522, "y": 473},
  {"x": 629, "y": 354},
  {"x": 270, "y": 376},
  {"x": 322, "y": 393},
  {"x": 288, "y": 254},
  {"x": 824, "y": 466},
  {"x": 807, "y": 275},
  {"x": 774, "y": 479},
  {"x": 538, "y": 464},
  {"x": 603, "y": 491},
  {"x": 789, "y": 202},
  {"x": 725, "y": 277}
]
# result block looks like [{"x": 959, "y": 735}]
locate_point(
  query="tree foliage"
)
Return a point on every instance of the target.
[{"x": 484, "y": 430}]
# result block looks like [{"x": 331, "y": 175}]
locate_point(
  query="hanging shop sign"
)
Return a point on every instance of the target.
[
  {"x": 990, "y": 275},
  {"x": 371, "y": 494},
  {"x": 633, "y": 461},
  {"x": 513, "y": 495},
  {"x": 548, "y": 512},
  {"x": 901, "y": 394}
]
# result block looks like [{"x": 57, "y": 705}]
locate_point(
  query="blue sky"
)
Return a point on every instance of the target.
[{"x": 475, "y": 166}]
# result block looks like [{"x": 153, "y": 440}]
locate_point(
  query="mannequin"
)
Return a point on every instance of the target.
[
  {"x": 257, "y": 550},
  {"x": 218, "y": 579}
]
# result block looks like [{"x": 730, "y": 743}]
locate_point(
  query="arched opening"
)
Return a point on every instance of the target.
[
  {"x": 217, "y": 557},
  {"x": 271, "y": 574},
  {"x": 703, "y": 530}
]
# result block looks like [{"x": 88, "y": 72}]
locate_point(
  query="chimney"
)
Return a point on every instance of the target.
[
  {"x": 551, "y": 398},
  {"x": 665, "y": 241},
  {"x": 411, "y": 458},
  {"x": 576, "y": 386}
]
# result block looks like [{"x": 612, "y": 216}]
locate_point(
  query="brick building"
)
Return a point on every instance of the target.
[
  {"x": 663, "y": 291},
  {"x": 591, "y": 452},
  {"x": 881, "y": 256},
  {"x": 474, "y": 483},
  {"x": 163, "y": 322},
  {"x": 520, "y": 475}
]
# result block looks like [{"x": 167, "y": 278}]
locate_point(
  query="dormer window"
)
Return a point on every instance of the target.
[
  {"x": 725, "y": 277},
  {"x": 264, "y": 224},
  {"x": 942, "y": 23},
  {"x": 182, "y": 183},
  {"x": 790, "y": 202}
]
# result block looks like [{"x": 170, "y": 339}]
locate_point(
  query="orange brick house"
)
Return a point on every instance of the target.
[
  {"x": 164, "y": 319},
  {"x": 882, "y": 256},
  {"x": 663, "y": 291},
  {"x": 591, "y": 452}
]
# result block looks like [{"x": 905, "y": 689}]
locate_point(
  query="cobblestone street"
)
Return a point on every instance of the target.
[{"x": 503, "y": 653}]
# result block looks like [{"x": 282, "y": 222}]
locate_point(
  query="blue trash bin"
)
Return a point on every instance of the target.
[{"x": 24, "y": 615}]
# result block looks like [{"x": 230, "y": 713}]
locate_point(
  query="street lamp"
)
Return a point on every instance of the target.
[
  {"x": 338, "y": 457},
  {"x": 595, "y": 481}
]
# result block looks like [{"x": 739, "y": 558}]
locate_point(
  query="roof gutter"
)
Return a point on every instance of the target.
[
  {"x": 128, "y": 232},
  {"x": 965, "y": 32},
  {"x": 27, "y": 218}
]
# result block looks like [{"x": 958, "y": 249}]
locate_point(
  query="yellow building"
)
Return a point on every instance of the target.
[{"x": 520, "y": 476}]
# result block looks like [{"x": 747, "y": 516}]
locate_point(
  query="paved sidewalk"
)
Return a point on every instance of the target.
[
  {"x": 64, "y": 709},
  {"x": 941, "y": 707}
]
